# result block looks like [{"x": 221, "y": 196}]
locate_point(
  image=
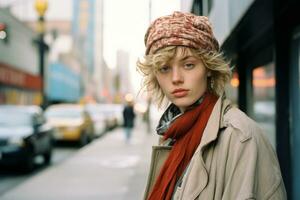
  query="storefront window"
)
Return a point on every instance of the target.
[
  {"x": 295, "y": 112},
  {"x": 264, "y": 100},
  {"x": 10, "y": 95},
  {"x": 231, "y": 89}
]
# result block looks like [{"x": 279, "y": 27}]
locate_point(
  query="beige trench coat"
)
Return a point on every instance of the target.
[{"x": 234, "y": 161}]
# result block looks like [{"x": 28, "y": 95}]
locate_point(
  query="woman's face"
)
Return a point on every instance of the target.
[{"x": 183, "y": 79}]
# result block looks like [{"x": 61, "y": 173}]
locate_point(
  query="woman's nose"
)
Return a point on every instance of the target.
[{"x": 176, "y": 76}]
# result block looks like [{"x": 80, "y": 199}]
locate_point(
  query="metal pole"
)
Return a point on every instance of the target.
[{"x": 42, "y": 61}]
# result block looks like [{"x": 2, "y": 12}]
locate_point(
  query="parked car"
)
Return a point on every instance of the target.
[
  {"x": 98, "y": 118},
  {"x": 117, "y": 112},
  {"x": 111, "y": 114},
  {"x": 71, "y": 122},
  {"x": 24, "y": 134}
]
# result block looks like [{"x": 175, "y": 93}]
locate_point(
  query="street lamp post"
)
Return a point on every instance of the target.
[{"x": 41, "y": 7}]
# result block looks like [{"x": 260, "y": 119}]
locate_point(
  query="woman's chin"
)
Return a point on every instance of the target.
[{"x": 182, "y": 103}]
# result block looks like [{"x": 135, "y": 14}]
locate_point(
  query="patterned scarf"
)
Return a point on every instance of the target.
[{"x": 187, "y": 132}]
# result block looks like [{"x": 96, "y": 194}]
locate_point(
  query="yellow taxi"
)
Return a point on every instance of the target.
[{"x": 71, "y": 123}]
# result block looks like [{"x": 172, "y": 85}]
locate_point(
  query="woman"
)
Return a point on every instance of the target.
[{"x": 208, "y": 148}]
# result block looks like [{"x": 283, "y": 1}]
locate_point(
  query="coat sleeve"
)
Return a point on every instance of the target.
[{"x": 252, "y": 169}]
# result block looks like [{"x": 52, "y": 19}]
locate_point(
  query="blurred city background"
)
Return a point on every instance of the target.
[{"x": 68, "y": 67}]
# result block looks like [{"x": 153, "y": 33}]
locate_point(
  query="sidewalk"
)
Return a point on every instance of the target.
[{"x": 107, "y": 169}]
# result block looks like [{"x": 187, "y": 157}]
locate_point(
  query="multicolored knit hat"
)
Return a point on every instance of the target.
[{"x": 180, "y": 29}]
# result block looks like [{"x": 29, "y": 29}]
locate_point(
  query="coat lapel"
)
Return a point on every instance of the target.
[
  {"x": 159, "y": 156},
  {"x": 193, "y": 186}
]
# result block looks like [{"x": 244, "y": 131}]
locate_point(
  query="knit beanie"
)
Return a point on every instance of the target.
[{"x": 180, "y": 29}]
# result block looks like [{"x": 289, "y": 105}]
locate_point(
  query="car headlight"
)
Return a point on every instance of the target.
[{"x": 16, "y": 141}]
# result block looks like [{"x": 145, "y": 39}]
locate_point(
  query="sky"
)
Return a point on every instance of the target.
[{"x": 125, "y": 25}]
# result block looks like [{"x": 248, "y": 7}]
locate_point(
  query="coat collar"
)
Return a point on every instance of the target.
[{"x": 215, "y": 122}]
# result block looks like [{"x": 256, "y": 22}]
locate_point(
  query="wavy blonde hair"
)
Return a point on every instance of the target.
[{"x": 213, "y": 61}]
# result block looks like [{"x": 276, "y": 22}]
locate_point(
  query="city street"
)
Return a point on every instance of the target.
[
  {"x": 12, "y": 177},
  {"x": 108, "y": 168}
]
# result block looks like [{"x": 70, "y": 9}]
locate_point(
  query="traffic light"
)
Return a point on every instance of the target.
[{"x": 3, "y": 32}]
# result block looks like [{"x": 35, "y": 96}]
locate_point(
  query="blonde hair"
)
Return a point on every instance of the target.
[{"x": 213, "y": 61}]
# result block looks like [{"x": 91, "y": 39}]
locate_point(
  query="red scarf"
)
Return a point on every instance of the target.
[{"x": 187, "y": 130}]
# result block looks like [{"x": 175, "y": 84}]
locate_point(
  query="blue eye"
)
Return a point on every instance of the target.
[
  {"x": 189, "y": 66},
  {"x": 164, "y": 69}
]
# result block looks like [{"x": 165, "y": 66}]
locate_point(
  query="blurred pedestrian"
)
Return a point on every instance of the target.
[
  {"x": 208, "y": 148},
  {"x": 147, "y": 116},
  {"x": 128, "y": 117}
]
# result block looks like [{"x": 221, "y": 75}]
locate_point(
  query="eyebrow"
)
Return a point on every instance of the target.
[{"x": 186, "y": 57}]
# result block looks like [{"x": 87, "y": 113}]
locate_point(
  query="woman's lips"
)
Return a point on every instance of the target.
[{"x": 179, "y": 93}]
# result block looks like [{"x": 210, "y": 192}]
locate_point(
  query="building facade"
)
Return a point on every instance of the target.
[
  {"x": 64, "y": 85},
  {"x": 20, "y": 80}
]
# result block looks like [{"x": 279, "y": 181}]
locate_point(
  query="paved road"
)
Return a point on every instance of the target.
[
  {"x": 108, "y": 169},
  {"x": 11, "y": 178}
]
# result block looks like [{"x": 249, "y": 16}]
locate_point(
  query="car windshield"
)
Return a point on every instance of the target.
[
  {"x": 15, "y": 119},
  {"x": 64, "y": 113}
]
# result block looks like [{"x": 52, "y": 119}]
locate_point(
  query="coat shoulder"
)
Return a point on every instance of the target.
[
  {"x": 249, "y": 149},
  {"x": 244, "y": 125}
]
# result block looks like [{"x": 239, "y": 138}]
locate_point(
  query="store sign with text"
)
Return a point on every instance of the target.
[{"x": 13, "y": 77}]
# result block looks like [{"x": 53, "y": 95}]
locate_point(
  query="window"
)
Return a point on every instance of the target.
[
  {"x": 231, "y": 89},
  {"x": 264, "y": 100},
  {"x": 295, "y": 111},
  {"x": 207, "y": 5}
]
